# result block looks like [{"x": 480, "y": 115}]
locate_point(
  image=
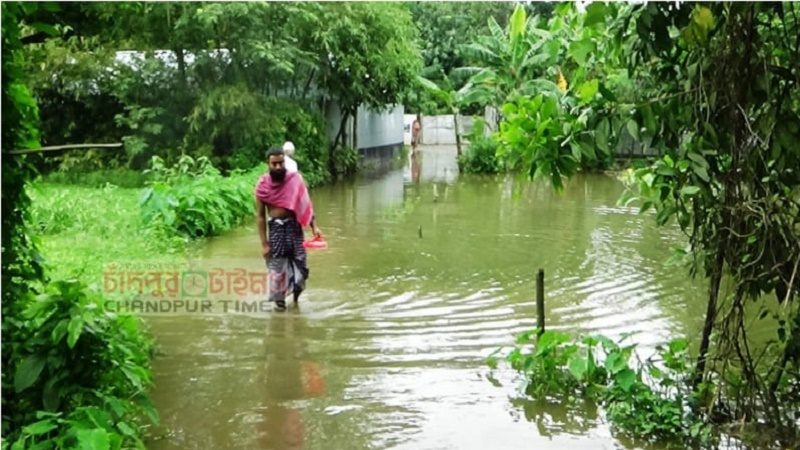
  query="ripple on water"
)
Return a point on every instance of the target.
[{"x": 394, "y": 329}]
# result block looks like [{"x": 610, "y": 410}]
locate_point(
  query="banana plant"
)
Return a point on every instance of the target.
[{"x": 508, "y": 62}]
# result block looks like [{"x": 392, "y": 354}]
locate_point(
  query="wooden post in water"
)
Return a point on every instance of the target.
[{"x": 540, "y": 301}]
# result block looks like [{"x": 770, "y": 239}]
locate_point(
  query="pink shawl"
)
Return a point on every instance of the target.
[{"x": 290, "y": 194}]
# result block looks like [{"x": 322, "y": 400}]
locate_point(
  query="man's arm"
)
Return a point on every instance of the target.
[
  {"x": 317, "y": 232},
  {"x": 261, "y": 219}
]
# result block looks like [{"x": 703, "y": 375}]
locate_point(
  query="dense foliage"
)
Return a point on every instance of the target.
[
  {"x": 649, "y": 400},
  {"x": 709, "y": 91},
  {"x": 74, "y": 375},
  {"x": 712, "y": 90},
  {"x": 220, "y": 80},
  {"x": 481, "y": 155},
  {"x": 193, "y": 199}
]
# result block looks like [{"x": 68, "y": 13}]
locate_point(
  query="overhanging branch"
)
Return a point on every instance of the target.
[{"x": 54, "y": 148}]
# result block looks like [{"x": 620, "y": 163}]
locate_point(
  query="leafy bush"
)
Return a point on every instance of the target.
[
  {"x": 192, "y": 199},
  {"x": 345, "y": 160},
  {"x": 480, "y": 156},
  {"x": 242, "y": 126},
  {"x": 81, "y": 373},
  {"x": 306, "y": 129},
  {"x": 599, "y": 369}
]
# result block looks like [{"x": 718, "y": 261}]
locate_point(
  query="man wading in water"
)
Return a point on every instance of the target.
[{"x": 288, "y": 210}]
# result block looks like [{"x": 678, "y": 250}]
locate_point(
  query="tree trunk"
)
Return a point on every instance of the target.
[
  {"x": 308, "y": 83},
  {"x": 339, "y": 136},
  {"x": 457, "y": 131},
  {"x": 181, "y": 57},
  {"x": 355, "y": 129},
  {"x": 711, "y": 316}
]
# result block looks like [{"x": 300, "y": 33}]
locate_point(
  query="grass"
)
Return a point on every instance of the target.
[
  {"x": 98, "y": 178},
  {"x": 82, "y": 229}
]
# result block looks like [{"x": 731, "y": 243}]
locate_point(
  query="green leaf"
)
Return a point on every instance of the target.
[
  {"x": 588, "y": 90},
  {"x": 93, "y": 439},
  {"x": 74, "y": 329},
  {"x": 132, "y": 375},
  {"x": 580, "y": 50},
  {"x": 601, "y": 135},
  {"x": 549, "y": 340},
  {"x": 127, "y": 430},
  {"x": 46, "y": 28},
  {"x": 677, "y": 345},
  {"x": 655, "y": 372},
  {"x": 690, "y": 190},
  {"x": 51, "y": 397},
  {"x": 666, "y": 171},
  {"x": 517, "y": 22},
  {"x": 44, "y": 445},
  {"x": 595, "y": 13},
  {"x": 59, "y": 331},
  {"x": 525, "y": 337},
  {"x": 625, "y": 379},
  {"x": 578, "y": 367},
  {"x": 28, "y": 372},
  {"x": 633, "y": 129},
  {"x": 40, "y": 427},
  {"x": 615, "y": 362},
  {"x": 704, "y": 18},
  {"x": 698, "y": 158},
  {"x": 701, "y": 172},
  {"x": 428, "y": 84}
]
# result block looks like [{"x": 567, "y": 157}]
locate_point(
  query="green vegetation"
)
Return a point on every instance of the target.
[
  {"x": 711, "y": 90},
  {"x": 83, "y": 229},
  {"x": 83, "y": 373},
  {"x": 125, "y": 178},
  {"x": 74, "y": 376},
  {"x": 220, "y": 80},
  {"x": 649, "y": 400},
  {"x": 194, "y": 200},
  {"x": 481, "y": 155}
]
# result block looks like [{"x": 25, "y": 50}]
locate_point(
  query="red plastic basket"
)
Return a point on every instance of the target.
[{"x": 316, "y": 242}]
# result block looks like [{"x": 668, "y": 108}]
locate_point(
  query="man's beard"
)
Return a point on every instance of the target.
[{"x": 277, "y": 175}]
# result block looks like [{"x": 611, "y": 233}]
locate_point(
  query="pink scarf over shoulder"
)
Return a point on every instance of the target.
[{"x": 290, "y": 194}]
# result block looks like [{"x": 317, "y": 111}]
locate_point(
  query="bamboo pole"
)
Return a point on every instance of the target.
[
  {"x": 540, "y": 301},
  {"x": 53, "y": 148}
]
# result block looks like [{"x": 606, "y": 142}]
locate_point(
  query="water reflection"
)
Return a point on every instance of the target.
[
  {"x": 433, "y": 164},
  {"x": 557, "y": 416},
  {"x": 289, "y": 375}
]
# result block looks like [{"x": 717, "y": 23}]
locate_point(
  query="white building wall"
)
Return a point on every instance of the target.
[
  {"x": 440, "y": 130},
  {"x": 379, "y": 128},
  {"x": 374, "y": 128}
]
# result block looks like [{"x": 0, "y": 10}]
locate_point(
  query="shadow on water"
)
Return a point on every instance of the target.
[{"x": 427, "y": 272}]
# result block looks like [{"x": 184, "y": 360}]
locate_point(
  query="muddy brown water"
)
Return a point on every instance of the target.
[{"x": 387, "y": 346}]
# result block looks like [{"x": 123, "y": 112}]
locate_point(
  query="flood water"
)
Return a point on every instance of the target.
[{"x": 427, "y": 272}]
